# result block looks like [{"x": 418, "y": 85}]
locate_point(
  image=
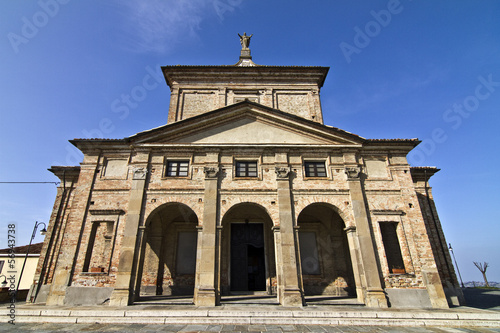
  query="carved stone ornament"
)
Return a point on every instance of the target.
[
  {"x": 282, "y": 172},
  {"x": 140, "y": 173},
  {"x": 352, "y": 172},
  {"x": 211, "y": 172}
]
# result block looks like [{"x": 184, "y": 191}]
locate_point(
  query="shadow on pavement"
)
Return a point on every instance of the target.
[{"x": 482, "y": 298}]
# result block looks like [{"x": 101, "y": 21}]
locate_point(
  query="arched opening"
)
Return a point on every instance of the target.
[
  {"x": 168, "y": 259},
  {"x": 324, "y": 253},
  {"x": 247, "y": 247}
]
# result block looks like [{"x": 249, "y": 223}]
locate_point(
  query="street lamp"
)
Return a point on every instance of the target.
[
  {"x": 458, "y": 270},
  {"x": 4, "y": 280},
  {"x": 43, "y": 231}
]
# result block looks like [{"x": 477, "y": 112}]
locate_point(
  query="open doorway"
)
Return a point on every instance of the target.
[{"x": 248, "y": 267}]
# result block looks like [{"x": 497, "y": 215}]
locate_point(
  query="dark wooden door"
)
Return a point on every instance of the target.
[{"x": 248, "y": 269}]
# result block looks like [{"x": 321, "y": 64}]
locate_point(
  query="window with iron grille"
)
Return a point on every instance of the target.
[
  {"x": 246, "y": 169},
  {"x": 315, "y": 169},
  {"x": 177, "y": 169}
]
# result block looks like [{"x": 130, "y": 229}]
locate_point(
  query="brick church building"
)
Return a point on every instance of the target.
[{"x": 245, "y": 191}]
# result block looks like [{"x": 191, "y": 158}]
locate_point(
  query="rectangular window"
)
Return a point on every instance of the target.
[
  {"x": 246, "y": 169},
  {"x": 177, "y": 168},
  {"x": 392, "y": 248},
  {"x": 315, "y": 169},
  {"x": 1, "y": 265}
]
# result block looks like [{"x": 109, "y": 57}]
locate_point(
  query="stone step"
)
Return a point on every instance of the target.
[{"x": 246, "y": 316}]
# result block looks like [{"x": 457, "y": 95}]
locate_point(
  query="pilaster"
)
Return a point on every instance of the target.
[
  {"x": 206, "y": 281},
  {"x": 123, "y": 293},
  {"x": 357, "y": 266},
  {"x": 374, "y": 295},
  {"x": 291, "y": 293},
  {"x": 174, "y": 105}
]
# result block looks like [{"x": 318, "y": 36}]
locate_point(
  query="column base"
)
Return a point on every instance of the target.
[
  {"x": 292, "y": 298},
  {"x": 435, "y": 289},
  {"x": 120, "y": 297},
  {"x": 205, "y": 297},
  {"x": 57, "y": 292},
  {"x": 55, "y": 300},
  {"x": 376, "y": 299},
  {"x": 360, "y": 294}
]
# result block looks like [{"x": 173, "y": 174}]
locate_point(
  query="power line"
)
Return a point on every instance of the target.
[{"x": 56, "y": 183}]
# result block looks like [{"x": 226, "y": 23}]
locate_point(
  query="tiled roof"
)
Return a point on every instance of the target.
[
  {"x": 34, "y": 249},
  {"x": 393, "y": 140}
]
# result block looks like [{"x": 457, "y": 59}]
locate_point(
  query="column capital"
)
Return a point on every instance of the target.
[
  {"x": 350, "y": 229},
  {"x": 140, "y": 173},
  {"x": 282, "y": 172},
  {"x": 211, "y": 172},
  {"x": 353, "y": 172}
]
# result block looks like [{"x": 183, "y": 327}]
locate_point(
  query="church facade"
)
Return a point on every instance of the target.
[{"x": 245, "y": 190}]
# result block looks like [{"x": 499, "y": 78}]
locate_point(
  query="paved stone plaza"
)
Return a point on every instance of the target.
[{"x": 51, "y": 327}]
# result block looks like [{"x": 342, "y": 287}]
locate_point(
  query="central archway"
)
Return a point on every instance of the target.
[{"x": 247, "y": 251}]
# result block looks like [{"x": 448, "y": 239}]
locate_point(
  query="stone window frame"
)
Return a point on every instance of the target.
[
  {"x": 98, "y": 216},
  {"x": 245, "y": 169},
  {"x": 315, "y": 160},
  {"x": 397, "y": 253},
  {"x": 240, "y": 95},
  {"x": 104, "y": 166},
  {"x": 382, "y": 158},
  {"x": 394, "y": 216},
  {"x": 180, "y": 158},
  {"x": 257, "y": 160}
]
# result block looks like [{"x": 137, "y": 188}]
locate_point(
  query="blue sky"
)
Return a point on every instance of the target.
[{"x": 398, "y": 69}]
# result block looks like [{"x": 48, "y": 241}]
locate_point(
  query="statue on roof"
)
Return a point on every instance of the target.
[{"x": 245, "y": 40}]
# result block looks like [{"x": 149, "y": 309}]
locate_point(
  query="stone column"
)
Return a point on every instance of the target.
[
  {"x": 357, "y": 267},
  {"x": 123, "y": 294},
  {"x": 141, "y": 239},
  {"x": 205, "y": 285},
  {"x": 374, "y": 294},
  {"x": 279, "y": 267},
  {"x": 291, "y": 293}
]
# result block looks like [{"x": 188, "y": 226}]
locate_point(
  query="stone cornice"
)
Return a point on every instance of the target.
[
  {"x": 387, "y": 212},
  {"x": 106, "y": 212},
  {"x": 207, "y": 75}
]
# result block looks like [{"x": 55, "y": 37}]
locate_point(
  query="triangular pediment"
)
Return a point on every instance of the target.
[
  {"x": 247, "y": 123},
  {"x": 249, "y": 130}
]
